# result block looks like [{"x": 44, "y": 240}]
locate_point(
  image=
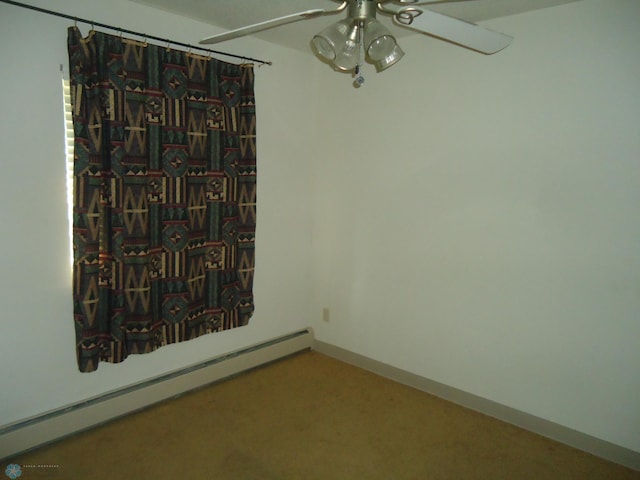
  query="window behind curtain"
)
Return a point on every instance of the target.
[{"x": 69, "y": 138}]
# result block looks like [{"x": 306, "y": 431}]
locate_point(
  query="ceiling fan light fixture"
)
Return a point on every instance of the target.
[{"x": 347, "y": 44}]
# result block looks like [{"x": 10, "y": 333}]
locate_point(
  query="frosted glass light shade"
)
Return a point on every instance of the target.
[
  {"x": 331, "y": 39},
  {"x": 347, "y": 53},
  {"x": 323, "y": 47},
  {"x": 391, "y": 59},
  {"x": 378, "y": 40}
]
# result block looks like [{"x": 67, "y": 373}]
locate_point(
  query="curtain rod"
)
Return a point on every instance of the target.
[{"x": 131, "y": 32}]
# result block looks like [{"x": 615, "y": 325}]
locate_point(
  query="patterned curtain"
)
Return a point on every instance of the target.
[{"x": 164, "y": 196}]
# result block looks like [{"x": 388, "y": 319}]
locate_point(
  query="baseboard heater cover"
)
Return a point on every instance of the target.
[{"x": 34, "y": 432}]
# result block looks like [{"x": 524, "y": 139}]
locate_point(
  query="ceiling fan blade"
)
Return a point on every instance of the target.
[
  {"x": 258, "y": 27},
  {"x": 457, "y": 31}
]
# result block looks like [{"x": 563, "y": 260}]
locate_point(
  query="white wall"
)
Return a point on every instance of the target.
[
  {"x": 37, "y": 360},
  {"x": 477, "y": 217}
]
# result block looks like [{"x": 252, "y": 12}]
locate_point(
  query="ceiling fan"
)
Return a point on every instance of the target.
[{"x": 345, "y": 45}]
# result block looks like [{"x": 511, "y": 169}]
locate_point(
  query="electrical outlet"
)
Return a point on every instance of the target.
[{"x": 325, "y": 315}]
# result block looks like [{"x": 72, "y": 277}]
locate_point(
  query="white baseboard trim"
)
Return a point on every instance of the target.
[
  {"x": 31, "y": 433},
  {"x": 573, "y": 438}
]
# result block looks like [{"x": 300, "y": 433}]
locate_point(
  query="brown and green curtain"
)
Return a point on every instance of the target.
[{"x": 164, "y": 196}]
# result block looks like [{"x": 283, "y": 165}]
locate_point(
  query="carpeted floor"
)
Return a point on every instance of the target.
[{"x": 312, "y": 417}]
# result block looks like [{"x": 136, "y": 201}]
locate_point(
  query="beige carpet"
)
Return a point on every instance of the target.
[{"x": 312, "y": 417}]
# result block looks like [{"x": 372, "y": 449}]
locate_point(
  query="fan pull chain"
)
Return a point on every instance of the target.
[{"x": 359, "y": 81}]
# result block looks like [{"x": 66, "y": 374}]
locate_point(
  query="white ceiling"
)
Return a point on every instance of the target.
[{"x": 230, "y": 14}]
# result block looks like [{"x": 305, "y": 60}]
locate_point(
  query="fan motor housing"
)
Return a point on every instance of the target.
[{"x": 362, "y": 10}]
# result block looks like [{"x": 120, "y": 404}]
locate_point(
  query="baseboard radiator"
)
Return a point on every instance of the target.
[{"x": 25, "y": 435}]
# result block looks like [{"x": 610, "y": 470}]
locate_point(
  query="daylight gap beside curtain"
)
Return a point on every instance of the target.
[{"x": 164, "y": 196}]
